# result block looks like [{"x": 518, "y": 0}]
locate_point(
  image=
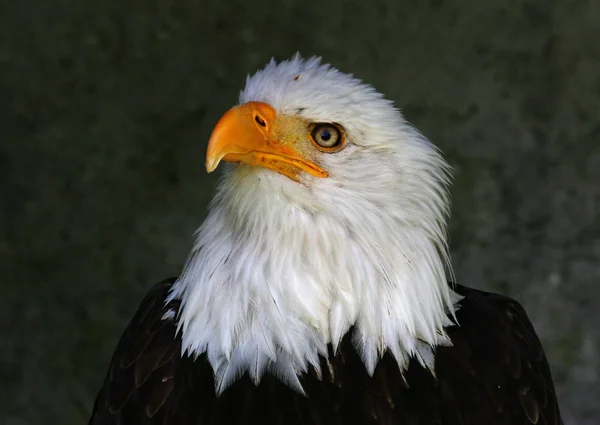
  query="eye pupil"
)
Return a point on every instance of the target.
[{"x": 325, "y": 135}]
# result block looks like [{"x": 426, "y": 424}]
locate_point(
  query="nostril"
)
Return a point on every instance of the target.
[{"x": 260, "y": 121}]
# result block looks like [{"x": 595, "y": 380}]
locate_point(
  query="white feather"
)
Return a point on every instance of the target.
[{"x": 281, "y": 269}]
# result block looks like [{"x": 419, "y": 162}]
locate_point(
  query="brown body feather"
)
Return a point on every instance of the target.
[{"x": 494, "y": 374}]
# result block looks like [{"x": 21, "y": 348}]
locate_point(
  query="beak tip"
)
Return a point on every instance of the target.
[
  {"x": 212, "y": 163},
  {"x": 210, "y": 167}
]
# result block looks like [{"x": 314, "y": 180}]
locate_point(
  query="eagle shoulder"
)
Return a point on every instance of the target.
[
  {"x": 145, "y": 368},
  {"x": 496, "y": 371}
]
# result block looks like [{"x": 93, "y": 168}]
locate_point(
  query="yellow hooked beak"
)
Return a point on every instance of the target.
[{"x": 245, "y": 135}]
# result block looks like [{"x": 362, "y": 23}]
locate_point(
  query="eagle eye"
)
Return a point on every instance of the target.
[{"x": 328, "y": 137}]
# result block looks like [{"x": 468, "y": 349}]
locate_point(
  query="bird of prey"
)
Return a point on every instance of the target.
[{"x": 319, "y": 289}]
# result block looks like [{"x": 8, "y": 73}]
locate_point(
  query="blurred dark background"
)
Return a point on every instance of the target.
[{"x": 105, "y": 110}]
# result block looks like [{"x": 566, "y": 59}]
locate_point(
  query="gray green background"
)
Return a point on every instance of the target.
[{"x": 106, "y": 106}]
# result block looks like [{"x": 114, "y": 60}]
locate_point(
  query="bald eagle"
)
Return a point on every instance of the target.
[{"x": 319, "y": 289}]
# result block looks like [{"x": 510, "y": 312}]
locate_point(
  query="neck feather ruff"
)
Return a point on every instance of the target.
[{"x": 270, "y": 283}]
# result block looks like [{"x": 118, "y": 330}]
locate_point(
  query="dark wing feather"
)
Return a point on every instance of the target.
[
  {"x": 496, "y": 372},
  {"x": 145, "y": 369}
]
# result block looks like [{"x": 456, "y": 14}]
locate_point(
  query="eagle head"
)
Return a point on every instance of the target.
[{"x": 329, "y": 216}]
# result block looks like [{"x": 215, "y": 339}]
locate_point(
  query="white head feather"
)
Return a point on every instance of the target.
[{"x": 280, "y": 268}]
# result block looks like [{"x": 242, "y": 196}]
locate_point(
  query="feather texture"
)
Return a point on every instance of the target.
[{"x": 475, "y": 380}]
